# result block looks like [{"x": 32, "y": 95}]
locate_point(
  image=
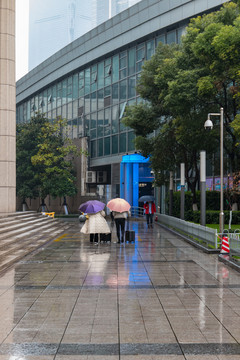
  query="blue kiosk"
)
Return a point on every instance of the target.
[{"x": 135, "y": 178}]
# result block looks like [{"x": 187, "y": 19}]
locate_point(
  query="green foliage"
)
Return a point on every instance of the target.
[
  {"x": 27, "y": 140},
  {"x": 212, "y": 217},
  {"x": 212, "y": 207},
  {"x": 180, "y": 85},
  {"x": 49, "y": 154}
]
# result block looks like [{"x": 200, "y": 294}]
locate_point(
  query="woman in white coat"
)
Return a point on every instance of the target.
[{"x": 94, "y": 225}]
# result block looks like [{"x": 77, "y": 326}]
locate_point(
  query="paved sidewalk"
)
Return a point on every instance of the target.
[{"x": 157, "y": 299}]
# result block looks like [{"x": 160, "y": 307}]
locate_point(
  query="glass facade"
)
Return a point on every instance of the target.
[{"x": 93, "y": 99}]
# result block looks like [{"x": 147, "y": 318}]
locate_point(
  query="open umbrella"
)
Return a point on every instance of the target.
[
  {"x": 119, "y": 205},
  {"x": 145, "y": 198},
  {"x": 91, "y": 206}
]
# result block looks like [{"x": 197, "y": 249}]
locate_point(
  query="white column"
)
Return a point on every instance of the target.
[
  {"x": 7, "y": 107},
  {"x": 182, "y": 191},
  {"x": 203, "y": 187}
]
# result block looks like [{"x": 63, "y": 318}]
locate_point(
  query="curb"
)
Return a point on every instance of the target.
[
  {"x": 226, "y": 259},
  {"x": 193, "y": 243}
]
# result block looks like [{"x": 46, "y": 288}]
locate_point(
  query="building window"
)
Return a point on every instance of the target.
[
  {"x": 115, "y": 68},
  {"x": 94, "y": 101},
  {"x": 93, "y": 149},
  {"x": 132, "y": 61},
  {"x": 100, "y": 124},
  {"x": 180, "y": 32},
  {"x": 122, "y": 143},
  {"x": 100, "y": 99},
  {"x": 107, "y": 72},
  {"x": 59, "y": 94},
  {"x": 94, "y": 78},
  {"x": 87, "y": 104},
  {"x": 140, "y": 56},
  {"x": 93, "y": 126},
  {"x": 87, "y": 81},
  {"x": 115, "y": 119},
  {"x": 115, "y": 144},
  {"x": 69, "y": 89},
  {"x": 107, "y": 121},
  {"x": 100, "y": 75},
  {"x": 123, "y": 90},
  {"x": 131, "y": 87},
  {"x": 100, "y": 147},
  {"x": 115, "y": 93},
  {"x": 75, "y": 87},
  {"x": 81, "y": 83},
  {"x": 160, "y": 38},
  {"x": 131, "y": 138},
  {"x": 64, "y": 92},
  {"x": 150, "y": 49},
  {"x": 107, "y": 146},
  {"x": 171, "y": 37},
  {"x": 123, "y": 65}
]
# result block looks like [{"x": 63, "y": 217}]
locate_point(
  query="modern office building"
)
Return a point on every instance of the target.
[
  {"x": 56, "y": 23},
  {"x": 90, "y": 82}
]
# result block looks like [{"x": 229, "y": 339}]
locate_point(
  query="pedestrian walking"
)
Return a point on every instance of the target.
[
  {"x": 94, "y": 225},
  {"x": 120, "y": 210},
  {"x": 120, "y": 219},
  {"x": 150, "y": 209}
]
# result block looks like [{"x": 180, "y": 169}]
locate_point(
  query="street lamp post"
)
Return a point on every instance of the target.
[{"x": 209, "y": 125}]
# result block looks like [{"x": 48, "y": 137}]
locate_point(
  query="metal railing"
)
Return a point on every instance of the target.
[
  {"x": 195, "y": 232},
  {"x": 234, "y": 241},
  {"x": 137, "y": 211}
]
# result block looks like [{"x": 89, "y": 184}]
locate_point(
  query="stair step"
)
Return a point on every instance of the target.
[
  {"x": 17, "y": 254},
  {"x": 25, "y": 227},
  {"x": 24, "y": 232},
  {"x": 14, "y": 225}
]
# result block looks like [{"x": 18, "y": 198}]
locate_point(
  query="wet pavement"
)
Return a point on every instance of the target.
[{"x": 157, "y": 299}]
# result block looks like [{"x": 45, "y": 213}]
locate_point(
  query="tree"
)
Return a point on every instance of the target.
[
  {"x": 214, "y": 41},
  {"x": 27, "y": 140},
  {"x": 168, "y": 121},
  {"x": 179, "y": 85},
  {"x": 50, "y": 158}
]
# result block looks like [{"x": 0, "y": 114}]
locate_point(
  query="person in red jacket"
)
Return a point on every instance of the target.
[{"x": 150, "y": 210}]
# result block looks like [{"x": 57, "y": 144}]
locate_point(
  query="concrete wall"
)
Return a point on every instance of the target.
[{"x": 7, "y": 107}]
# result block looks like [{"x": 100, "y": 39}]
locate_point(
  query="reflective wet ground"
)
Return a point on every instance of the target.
[{"x": 156, "y": 299}]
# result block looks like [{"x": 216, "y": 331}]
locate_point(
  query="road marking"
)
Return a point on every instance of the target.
[{"x": 61, "y": 237}]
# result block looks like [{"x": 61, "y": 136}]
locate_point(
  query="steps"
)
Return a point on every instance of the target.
[{"x": 23, "y": 232}]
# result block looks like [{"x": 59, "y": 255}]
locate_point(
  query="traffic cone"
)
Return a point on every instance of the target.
[{"x": 225, "y": 245}]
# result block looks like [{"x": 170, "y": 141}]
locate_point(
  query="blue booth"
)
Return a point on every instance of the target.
[{"x": 135, "y": 172}]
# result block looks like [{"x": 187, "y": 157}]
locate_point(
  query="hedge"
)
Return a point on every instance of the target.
[
  {"x": 212, "y": 217},
  {"x": 212, "y": 207}
]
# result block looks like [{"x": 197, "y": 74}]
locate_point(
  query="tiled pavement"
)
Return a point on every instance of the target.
[{"x": 157, "y": 299}]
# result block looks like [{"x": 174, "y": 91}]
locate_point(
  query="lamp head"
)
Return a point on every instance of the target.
[{"x": 208, "y": 124}]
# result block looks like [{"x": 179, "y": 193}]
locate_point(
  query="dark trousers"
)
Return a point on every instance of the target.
[
  {"x": 149, "y": 218},
  {"x": 120, "y": 224},
  {"x": 94, "y": 237}
]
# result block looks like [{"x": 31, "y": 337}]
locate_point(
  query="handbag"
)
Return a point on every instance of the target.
[{"x": 82, "y": 218}]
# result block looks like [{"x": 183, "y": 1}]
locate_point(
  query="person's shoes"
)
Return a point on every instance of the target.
[
  {"x": 148, "y": 225},
  {"x": 95, "y": 242}
]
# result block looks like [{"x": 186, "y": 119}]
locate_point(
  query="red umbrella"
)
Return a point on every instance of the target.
[{"x": 119, "y": 205}]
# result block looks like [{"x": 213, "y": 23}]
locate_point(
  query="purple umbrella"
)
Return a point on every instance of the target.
[{"x": 91, "y": 206}]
